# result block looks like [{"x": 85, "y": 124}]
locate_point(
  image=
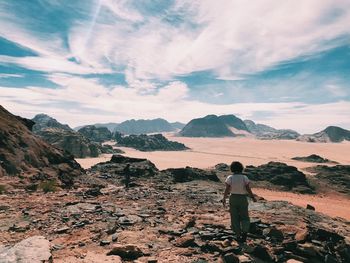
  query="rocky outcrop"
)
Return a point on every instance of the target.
[
  {"x": 265, "y": 132},
  {"x": 144, "y": 126},
  {"x": 43, "y": 121},
  {"x": 109, "y": 125},
  {"x": 313, "y": 158},
  {"x": 336, "y": 177},
  {"x": 188, "y": 174},
  {"x": 96, "y": 134},
  {"x": 155, "y": 142},
  {"x": 234, "y": 122},
  {"x": 286, "y": 177},
  {"x": 209, "y": 126},
  {"x": 330, "y": 134},
  {"x": 24, "y": 154},
  {"x": 35, "y": 249},
  {"x": 72, "y": 142},
  {"x": 116, "y": 167}
]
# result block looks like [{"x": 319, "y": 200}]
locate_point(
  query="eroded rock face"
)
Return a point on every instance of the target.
[
  {"x": 34, "y": 249},
  {"x": 280, "y": 174},
  {"x": 96, "y": 134},
  {"x": 72, "y": 142},
  {"x": 155, "y": 142},
  {"x": 23, "y": 153},
  {"x": 337, "y": 177}
]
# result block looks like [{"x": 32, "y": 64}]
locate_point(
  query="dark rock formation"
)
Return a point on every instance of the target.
[
  {"x": 144, "y": 126},
  {"x": 313, "y": 158},
  {"x": 280, "y": 174},
  {"x": 336, "y": 177},
  {"x": 43, "y": 121},
  {"x": 209, "y": 126},
  {"x": 96, "y": 134},
  {"x": 187, "y": 174},
  {"x": 115, "y": 168},
  {"x": 156, "y": 142},
  {"x": 262, "y": 131},
  {"x": 23, "y": 153},
  {"x": 72, "y": 142},
  {"x": 110, "y": 126},
  {"x": 330, "y": 134}
]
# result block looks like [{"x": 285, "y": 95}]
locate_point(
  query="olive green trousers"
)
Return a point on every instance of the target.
[{"x": 240, "y": 221}]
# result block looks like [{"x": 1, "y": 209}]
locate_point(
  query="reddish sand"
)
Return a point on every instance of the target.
[{"x": 206, "y": 152}]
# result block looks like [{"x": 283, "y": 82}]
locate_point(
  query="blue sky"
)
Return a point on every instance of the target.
[{"x": 282, "y": 63}]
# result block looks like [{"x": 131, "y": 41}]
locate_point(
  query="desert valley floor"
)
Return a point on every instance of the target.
[{"x": 207, "y": 152}]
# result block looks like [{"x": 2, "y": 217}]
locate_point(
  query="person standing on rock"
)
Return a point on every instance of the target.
[
  {"x": 126, "y": 173},
  {"x": 237, "y": 185}
]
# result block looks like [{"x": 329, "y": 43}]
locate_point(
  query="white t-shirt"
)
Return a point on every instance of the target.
[{"x": 238, "y": 183}]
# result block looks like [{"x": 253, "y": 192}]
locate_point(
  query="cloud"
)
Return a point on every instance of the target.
[{"x": 81, "y": 101}]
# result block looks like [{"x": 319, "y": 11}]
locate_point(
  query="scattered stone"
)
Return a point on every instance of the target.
[
  {"x": 62, "y": 230},
  {"x": 34, "y": 249},
  {"x": 185, "y": 241},
  {"x": 310, "y": 207},
  {"x": 273, "y": 233},
  {"x": 104, "y": 242},
  {"x": 262, "y": 252},
  {"x": 126, "y": 252}
]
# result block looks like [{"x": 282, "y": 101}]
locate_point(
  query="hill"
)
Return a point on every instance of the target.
[
  {"x": 96, "y": 134},
  {"x": 24, "y": 154},
  {"x": 144, "y": 126},
  {"x": 208, "y": 126},
  {"x": 330, "y": 134},
  {"x": 43, "y": 121},
  {"x": 262, "y": 131}
]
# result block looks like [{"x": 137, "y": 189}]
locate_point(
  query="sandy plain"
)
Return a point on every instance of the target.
[{"x": 206, "y": 152}]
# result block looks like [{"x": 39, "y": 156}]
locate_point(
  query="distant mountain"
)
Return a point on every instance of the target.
[
  {"x": 262, "y": 131},
  {"x": 110, "y": 126},
  {"x": 330, "y": 134},
  {"x": 96, "y": 134},
  {"x": 177, "y": 125},
  {"x": 43, "y": 121},
  {"x": 144, "y": 126},
  {"x": 208, "y": 126}
]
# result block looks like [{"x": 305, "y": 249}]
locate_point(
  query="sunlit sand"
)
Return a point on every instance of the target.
[{"x": 206, "y": 152}]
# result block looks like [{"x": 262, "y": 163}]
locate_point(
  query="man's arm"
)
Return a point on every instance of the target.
[
  {"x": 249, "y": 190},
  {"x": 227, "y": 191}
]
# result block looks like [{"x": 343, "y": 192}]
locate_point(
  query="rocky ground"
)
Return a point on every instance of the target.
[{"x": 158, "y": 219}]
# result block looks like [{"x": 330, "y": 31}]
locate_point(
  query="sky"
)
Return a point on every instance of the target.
[{"x": 281, "y": 63}]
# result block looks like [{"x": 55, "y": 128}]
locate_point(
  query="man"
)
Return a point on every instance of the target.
[{"x": 238, "y": 185}]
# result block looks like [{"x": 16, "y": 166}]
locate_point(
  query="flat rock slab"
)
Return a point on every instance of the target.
[{"x": 34, "y": 249}]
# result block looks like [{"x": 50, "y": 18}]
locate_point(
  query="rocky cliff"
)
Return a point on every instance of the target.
[{"x": 24, "y": 154}]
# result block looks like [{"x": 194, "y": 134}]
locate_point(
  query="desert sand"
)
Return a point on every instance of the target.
[{"x": 206, "y": 152}]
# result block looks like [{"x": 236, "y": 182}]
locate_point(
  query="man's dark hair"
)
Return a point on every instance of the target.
[{"x": 236, "y": 167}]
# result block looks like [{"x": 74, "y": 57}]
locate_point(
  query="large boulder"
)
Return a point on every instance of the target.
[
  {"x": 34, "y": 249},
  {"x": 116, "y": 167},
  {"x": 155, "y": 142},
  {"x": 187, "y": 174},
  {"x": 96, "y": 134},
  {"x": 313, "y": 158},
  {"x": 280, "y": 174},
  {"x": 24, "y": 154}
]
